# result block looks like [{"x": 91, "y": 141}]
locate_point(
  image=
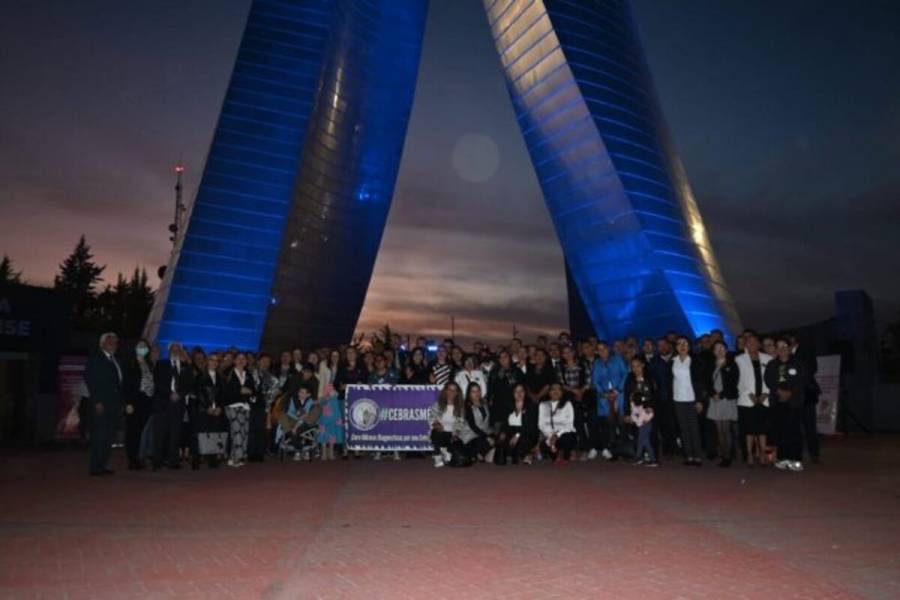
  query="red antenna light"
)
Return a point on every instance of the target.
[{"x": 179, "y": 169}]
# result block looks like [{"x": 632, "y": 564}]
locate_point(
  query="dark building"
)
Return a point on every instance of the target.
[
  {"x": 282, "y": 236},
  {"x": 34, "y": 327}
]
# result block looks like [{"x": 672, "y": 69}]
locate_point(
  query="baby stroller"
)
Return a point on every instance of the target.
[{"x": 297, "y": 429}]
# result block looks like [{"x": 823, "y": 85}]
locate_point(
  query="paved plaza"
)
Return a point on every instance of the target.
[{"x": 366, "y": 529}]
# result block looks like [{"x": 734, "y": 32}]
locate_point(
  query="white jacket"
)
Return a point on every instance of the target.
[
  {"x": 746, "y": 382},
  {"x": 552, "y": 419}
]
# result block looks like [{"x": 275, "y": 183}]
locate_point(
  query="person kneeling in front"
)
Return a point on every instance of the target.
[
  {"x": 446, "y": 417},
  {"x": 477, "y": 434},
  {"x": 556, "y": 421},
  {"x": 518, "y": 436}
]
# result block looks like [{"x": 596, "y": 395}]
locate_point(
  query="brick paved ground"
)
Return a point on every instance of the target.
[{"x": 365, "y": 529}]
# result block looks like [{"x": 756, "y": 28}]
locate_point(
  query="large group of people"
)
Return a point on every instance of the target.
[{"x": 555, "y": 400}]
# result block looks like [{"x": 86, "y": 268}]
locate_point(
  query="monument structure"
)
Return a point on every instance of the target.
[{"x": 280, "y": 242}]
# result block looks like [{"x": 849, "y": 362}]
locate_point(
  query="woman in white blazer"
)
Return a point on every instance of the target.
[{"x": 753, "y": 399}]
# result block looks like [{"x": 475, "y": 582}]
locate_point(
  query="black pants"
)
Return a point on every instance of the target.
[
  {"x": 811, "y": 430},
  {"x": 444, "y": 439},
  {"x": 583, "y": 430},
  {"x": 787, "y": 422},
  {"x": 666, "y": 425},
  {"x": 605, "y": 430},
  {"x": 103, "y": 428},
  {"x": 564, "y": 443},
  {"x": 505, "y": 450},
  {"x": 167, "y": 433},
  {"x": 688, "y": 423},
  {"x": 134, "y": 427},
  {"x": 478, "y": 447},
  {"x": 256, "y": 440}
]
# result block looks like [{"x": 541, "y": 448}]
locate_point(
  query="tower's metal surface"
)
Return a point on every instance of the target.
[
  {"x": 632, "y": 235},
  {"x": 283, "y": 235}
]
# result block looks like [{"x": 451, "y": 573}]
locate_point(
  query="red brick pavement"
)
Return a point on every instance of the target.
[{"x": 364, "y": 529}]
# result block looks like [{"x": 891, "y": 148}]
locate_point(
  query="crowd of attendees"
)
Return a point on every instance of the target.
[{"x": 554, "y": 400}]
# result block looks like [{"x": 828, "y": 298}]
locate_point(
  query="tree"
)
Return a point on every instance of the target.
[
  {"x": 78, "y": 276},
  {"x": 124, "y": 308},
  {"x": 8, "y": 273}
]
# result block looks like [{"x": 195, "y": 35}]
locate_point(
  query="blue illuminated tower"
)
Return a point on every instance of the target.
[
  {"x": 635, "y": 245},
  {"x": 283, "y": 234}
]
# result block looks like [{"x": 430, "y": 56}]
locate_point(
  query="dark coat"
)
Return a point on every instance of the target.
[
  {"x": 501, "y": 383},
  {"x": 648, "y": 399},
  {"x": 163, "y": 374},
  {"x": 231, "y": 388},
  {"x": 790, "y": 376},
  {"x": 529, "y": 424},
  {"x": 103, "y": 383},
  {"x": 730, "y": 375}
]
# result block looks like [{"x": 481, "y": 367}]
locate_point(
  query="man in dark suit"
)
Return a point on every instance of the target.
[
  {"x": 172, "y": 382},
  {"x": 103, "y": 377},
  {"x": 664, "y": 423},
  {"x": 811, "y": 395}
]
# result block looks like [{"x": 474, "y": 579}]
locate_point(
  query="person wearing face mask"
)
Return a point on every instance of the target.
[
  {"x": 172, "y": 382},
  {"x": 138, "y": 388}
]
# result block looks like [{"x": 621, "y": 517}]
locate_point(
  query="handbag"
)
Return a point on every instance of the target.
[
  {"x": 459, "y": 459},
  {"x": 212, "y": 443}
]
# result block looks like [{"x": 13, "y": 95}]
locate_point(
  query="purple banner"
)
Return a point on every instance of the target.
[{"x": 389, "y": 417}]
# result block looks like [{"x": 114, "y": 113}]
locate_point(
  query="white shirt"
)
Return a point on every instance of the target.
[
  {"x": 241, "y": 375},
  {"x": 448, "y": 419},
  {"x": 682, "y": 387},
  {"x": 515, "y": 419}
]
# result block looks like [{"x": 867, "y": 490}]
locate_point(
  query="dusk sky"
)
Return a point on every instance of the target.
[{"x": 786, "y": 115}]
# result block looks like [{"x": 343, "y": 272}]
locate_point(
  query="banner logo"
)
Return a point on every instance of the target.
[{"x": 364, "y": 414}]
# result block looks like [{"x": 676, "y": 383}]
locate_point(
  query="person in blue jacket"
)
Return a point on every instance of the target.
[{"x": 608, "y": 378}]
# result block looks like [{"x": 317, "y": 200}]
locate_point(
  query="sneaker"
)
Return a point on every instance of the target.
[
  {"x": 446, "y": 455},
  {"x": 377, "y": 456},
  {"x": 231, "y": 463},
  {"x": 527, "y": 460},
  {"x": 583, "y": 457},
  {"x": 607, "y": 454},
  {"x": 396, "y": 455},
  {"x": 297, "y": 456},
  {"x": 592, "y": 454},
  {"x": 795, "y": 466},
  {"x": 438, "y": 461},
  {"x": 782, "y": 464},
  {"x": 638, "y": 462},
  {"x": 489, "y": 457},
  {"x": 651, "y": 463}
]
